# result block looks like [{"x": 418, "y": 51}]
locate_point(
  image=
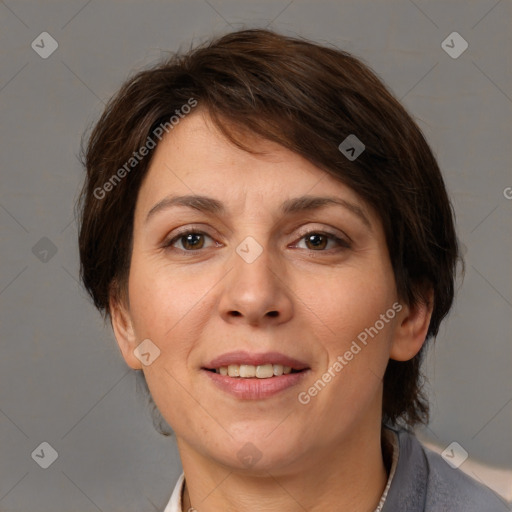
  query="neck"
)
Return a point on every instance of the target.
[{"x": 348, "y": 477}]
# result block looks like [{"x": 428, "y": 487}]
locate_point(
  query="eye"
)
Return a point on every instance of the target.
[
  {"x": 194, "y": 240},
  {"x": 191, "y": 240},
  {"x": 318, "y": 241}
]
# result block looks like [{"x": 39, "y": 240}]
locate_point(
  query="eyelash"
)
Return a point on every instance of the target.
[{"x": 344, "y": 244}]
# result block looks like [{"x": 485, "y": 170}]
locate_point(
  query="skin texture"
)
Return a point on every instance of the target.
[{"x": 196, "y": 305}]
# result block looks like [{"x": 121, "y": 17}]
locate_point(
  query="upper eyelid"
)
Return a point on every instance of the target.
[
  {"x": 303, "y": 231},
  {"x": 328, "y": 231},
  {"x": 304, "y": 228}
]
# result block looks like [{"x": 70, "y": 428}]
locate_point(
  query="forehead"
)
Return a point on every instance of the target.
[{"x": 196, "y": 159}]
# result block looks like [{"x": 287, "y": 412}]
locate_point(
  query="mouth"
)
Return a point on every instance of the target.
[
  {"x": 250, "y": 371},
  {"x": 247, "y": 365},
  {"x": 255, "y": 376}
]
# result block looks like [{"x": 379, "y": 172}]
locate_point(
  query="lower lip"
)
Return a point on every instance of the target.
[{"x": 254, "y": 388}]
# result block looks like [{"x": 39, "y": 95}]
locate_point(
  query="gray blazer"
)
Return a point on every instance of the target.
[{"x": 424, "y": 482}]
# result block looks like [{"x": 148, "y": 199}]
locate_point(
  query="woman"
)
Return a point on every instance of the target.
[{"x": 270, "y": 235}]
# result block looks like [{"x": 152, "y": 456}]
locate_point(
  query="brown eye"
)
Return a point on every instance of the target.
[
  {"x": 189, "y": 241},
  {"x": 192, "y": 241},
  {"x": 318, "y": 241}
]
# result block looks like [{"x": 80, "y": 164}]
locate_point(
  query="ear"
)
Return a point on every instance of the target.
[
  {"x": 411, "y": 328},
  {"x": 124, "y": 332}
]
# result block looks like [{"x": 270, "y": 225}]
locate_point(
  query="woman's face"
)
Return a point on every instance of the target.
[{"x": 265, "y": 270}]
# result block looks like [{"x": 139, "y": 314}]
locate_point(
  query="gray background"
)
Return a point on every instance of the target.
[{"x": 63, "y": 380}]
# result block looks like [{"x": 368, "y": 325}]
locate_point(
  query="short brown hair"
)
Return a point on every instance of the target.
[{"x": 308, "y": 98}]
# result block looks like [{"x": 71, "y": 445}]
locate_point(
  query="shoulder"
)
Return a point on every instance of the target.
[
  {"x": 452, "y": 487},
  {"x": 425, "y": 479}
]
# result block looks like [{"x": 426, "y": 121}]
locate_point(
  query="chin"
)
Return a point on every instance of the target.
[{"x": 259, "y": 453}]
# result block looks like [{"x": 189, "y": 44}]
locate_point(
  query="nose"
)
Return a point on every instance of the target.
[{"x": 256, "y": 293}]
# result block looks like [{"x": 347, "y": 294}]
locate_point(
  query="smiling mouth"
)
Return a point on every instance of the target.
[{"x": 249, "y": 371}]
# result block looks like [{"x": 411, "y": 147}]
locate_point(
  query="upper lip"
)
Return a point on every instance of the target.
[{"x": 243, "y": 357}]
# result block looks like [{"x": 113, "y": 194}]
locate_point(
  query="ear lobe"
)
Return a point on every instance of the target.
[
  {"x": 124, "y": 332},
  {"x": 411, "y": 329}
]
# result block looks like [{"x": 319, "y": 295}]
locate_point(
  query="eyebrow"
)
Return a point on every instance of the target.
[{"x": 295, "y": 205}]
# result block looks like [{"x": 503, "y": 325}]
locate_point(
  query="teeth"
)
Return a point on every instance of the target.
[
  {"x": 246, "y": 371},
  {"x": 278, "y": 369},
  {"x": 264, "y": 371},
  {"x": 234, "y": 370}
]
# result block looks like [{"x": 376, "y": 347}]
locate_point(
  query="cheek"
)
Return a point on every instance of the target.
[
  {"x": 161, "y": 298},
  {"x": 166, "y": 306},
  {"x": 347, "y": 302},
  {"x": 347, "y": 309}
]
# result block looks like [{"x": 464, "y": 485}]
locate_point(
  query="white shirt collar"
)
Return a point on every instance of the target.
[{"x": 175, "y": 504}]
